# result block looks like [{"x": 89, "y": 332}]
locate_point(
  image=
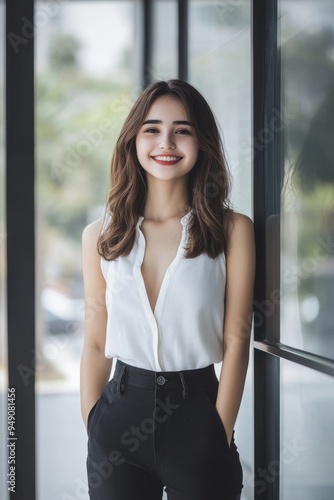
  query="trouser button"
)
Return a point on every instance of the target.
[{"x": 161, "y": 380}]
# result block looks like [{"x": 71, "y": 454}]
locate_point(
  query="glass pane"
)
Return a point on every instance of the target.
[
  {"x": 307, "y": 439},
  {"x": 164, "y": 48},
  {"x": 86, "y": 58},
  {"x": 307, "y": 218},
  {"x": 3, "y": 312},
  {"x": 220, "y": 67}
]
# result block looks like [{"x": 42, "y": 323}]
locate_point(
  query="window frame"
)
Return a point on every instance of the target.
[
  {"x": 20, "y": 221},
  {"x": 268, "y": 177}
]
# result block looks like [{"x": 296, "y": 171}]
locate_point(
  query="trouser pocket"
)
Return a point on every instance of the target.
[
  {"x": 210, "y": 404},
  {"x": 91, "y": 414},
  {"x": 108, "y": 397}
]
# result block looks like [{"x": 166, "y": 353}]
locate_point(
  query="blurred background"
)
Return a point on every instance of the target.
[{"x": 88, "y": 63}]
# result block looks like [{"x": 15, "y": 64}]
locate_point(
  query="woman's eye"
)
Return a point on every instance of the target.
[
  {"x": 151, "y": 130},
  {"x": 183, "y": 131}
]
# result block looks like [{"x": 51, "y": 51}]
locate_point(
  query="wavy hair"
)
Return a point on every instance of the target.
[{"x": 208, "y": 186}]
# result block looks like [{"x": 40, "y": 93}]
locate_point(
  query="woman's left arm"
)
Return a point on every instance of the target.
[{"x": 240, "y": 273}]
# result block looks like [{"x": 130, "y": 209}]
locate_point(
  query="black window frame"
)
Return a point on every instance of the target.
[{"x": 20, "y": 221}]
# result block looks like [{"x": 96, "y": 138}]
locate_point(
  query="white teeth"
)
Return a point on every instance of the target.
[{"x": 166, "y": 158}]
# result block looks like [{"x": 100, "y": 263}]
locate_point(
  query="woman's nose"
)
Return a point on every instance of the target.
[{"x": 167, "y": 142}]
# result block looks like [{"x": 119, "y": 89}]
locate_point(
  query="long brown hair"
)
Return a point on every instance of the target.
[{"x": 208, "y": 181}]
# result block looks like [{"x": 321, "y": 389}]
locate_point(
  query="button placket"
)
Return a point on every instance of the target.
[{"x": 153, "y": 316}]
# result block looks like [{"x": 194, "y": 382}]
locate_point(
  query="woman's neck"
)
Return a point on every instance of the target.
[{"x": 166, "y": 200}]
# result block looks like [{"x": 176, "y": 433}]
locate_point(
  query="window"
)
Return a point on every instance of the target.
[
  {"x": 294, "y": 199},
  {"x": 307, "y": 441},
  {"x": 89, "y": 68},
  {"x": 164, "y": 47},
  {"x": 85, "y": 83},
  {"x": 306, "y": 34},
  {"x": 307, "y": 221},
  {"x": 220, "y": 67}
]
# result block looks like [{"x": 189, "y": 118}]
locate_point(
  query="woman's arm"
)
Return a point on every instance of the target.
[
  {"x": 240, "y": 272},
  {"x": 95, "y": 368}
]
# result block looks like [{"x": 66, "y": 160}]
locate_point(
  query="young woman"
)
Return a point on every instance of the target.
[{"x": 168, "y": 276}]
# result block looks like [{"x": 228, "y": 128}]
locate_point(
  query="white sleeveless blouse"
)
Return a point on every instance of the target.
[{"x": 186, "y": 329}]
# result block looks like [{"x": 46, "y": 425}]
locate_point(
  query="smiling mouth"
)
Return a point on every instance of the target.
[{"x": 166, "y": 160}]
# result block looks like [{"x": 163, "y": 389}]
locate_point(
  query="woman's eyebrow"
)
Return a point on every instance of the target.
[{"x": 177, "y": 122}]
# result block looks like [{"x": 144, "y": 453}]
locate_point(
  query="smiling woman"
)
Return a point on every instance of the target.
[
  {"x": 200, "y": 179},
  {"x": 171, "y": 142},
  {"x": 176, "y": 266}
]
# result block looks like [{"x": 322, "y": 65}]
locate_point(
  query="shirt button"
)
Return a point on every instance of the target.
[{"x": 161, "y": 380}]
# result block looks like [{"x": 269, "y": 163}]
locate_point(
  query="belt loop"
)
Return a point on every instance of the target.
[
  {"x": 184, "y": 392},
  {"x": 120, "y": 386}
]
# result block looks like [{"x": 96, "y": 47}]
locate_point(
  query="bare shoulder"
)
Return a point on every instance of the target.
[
  {"x": 240, "y": 256},
  {"x": 241, "y": 232},
  {"x": 91, "y": 258},
  {"x": 90, "y": 236},
  {"x": 91, "y": 232},
  {"x": 241, "y": 237}
]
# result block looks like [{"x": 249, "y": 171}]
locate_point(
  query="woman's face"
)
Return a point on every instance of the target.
[{"x": 166, "y": 142}]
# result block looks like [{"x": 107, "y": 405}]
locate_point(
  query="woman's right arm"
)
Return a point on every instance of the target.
[{"x": 95, "y": 368}]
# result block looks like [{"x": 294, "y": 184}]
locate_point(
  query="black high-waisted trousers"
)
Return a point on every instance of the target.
[{"x": 151, "y": 430}]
